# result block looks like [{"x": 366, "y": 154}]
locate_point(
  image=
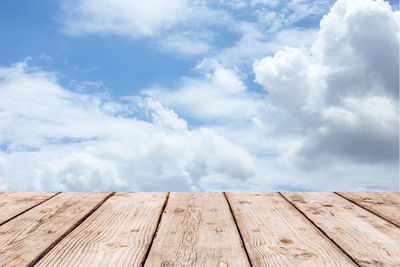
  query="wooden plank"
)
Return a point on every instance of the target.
[
  {"x": 117, "y": 234},
  {"x": 276, "y": 234},
  {"x": 13, "y": 203},
  {"x": 385, "y": 204},
  {"x": 197, "y": 229},
  {"x": 28, "y": 236},
  {"x": 367, "y": 238}
]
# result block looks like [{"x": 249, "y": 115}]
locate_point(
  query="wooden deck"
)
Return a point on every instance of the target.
[{"x": 199, "y": 229}]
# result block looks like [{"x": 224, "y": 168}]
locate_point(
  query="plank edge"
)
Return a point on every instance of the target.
[
  {"x": 238, "y": 229},
  {"x": 146, "y": 255},
  {"x": 28, "y": 209},
  {"x": 320, "y": 229},
  {"x": 74, "y": 226},
  {"x": 367, "y": 209}
]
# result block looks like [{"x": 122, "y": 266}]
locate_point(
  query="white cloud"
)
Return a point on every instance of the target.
[
  {"x": 277, "y": 15},
  {"x": 235, "y": 4},
  {"x": 73, "y": 141},
  {"x": 359, "y": 41},
  {"x": 329, "y": 121},
  {"x": 151, "y": 18},
  {"x": 188, "y": 27},
  {"x": 270, "y": 3},
  {"x": 255, "y": 42},
  {"x": 187, "y": 43},
  {"x": 219, "y": 94},
  {"x": 297, "y": 10},
  {"x": 178, "y": 27},
  {"x": 133, "y": 18},
  {"x": 341, "y": 95}
]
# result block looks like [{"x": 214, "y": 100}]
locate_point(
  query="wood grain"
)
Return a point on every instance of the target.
[
  {"x": 385, "y": 204},
  {"x": 197, "y": 229},
  {"x": 13, "y": 203},
  {"x": 276, "y": 234},
  {"x": 28, "y": 236},
  {"x": 367, "y": 238},
  {"x": 116, "y": 234}
]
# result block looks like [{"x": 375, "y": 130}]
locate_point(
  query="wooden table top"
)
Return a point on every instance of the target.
[{"x": 199, "y": 229}]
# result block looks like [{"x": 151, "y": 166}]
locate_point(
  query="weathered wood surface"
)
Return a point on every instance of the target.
[
  {"x": 28, "y": 236},
  {"x": 276, "y": 234},
  {"x": 12, "y": 204},
  {"x": 367, "y": 238},
  {"x": 386, "y": 205},
  {"x": 197, "y": 229},
  {"x": 117, "y": 234}
]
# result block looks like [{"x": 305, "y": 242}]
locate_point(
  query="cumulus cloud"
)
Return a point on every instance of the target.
[
  {"x": 341, "y": 95},
  {"x": 73, "y": 141},
  {"x": 330, "y": 108}
]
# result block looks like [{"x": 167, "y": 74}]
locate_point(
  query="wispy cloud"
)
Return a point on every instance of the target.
[{"x": 177, "y": 26}]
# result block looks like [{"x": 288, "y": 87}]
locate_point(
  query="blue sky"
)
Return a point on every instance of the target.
[
  {"x": 199, "y": 95},
  {"x": 122, "y": 63},
  {"x": 33, "y": 31}
]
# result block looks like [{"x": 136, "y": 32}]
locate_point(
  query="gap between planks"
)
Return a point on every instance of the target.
[
  {"x": 161, "y": 216},
  {"x": 370, "y": 240},
  {"x": 156, "y": 230},
  {"x": 28, "y": 209},
  {"x": 148, "y": 249},
  {"x": 321, "y": 230},
  {"x": 197, "y": 230},
  {"x": 52, "y": 245},
  {"x": 366, "y": 208},
  {"x": 238, "y": 229}
]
